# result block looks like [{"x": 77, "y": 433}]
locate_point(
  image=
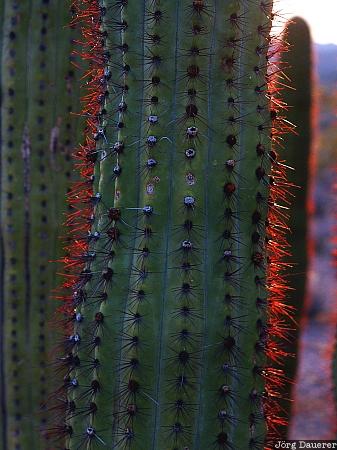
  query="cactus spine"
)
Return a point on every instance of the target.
[
  {"x": 299, "y": 152},
  {"x": 37, "y": 136},
  {"x": 174, "y": 301}
]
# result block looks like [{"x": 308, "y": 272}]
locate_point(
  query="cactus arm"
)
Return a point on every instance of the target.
[
  {"x": 181, "y": 340},
  {"x": 30, "y": 214},
  {"x": 39, "y": 199},
  {"x": 299, "y": 60},
  {"x": 52, "y": 137},
  {"x": 298, "y": 68},
  {"x": 12, "y": 216}
]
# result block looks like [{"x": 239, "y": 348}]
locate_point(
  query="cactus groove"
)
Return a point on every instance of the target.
[
  {"x": 38, "y": 92},
  {"x": 175, "y": 299}
]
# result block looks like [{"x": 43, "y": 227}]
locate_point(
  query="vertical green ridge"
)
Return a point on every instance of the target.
[
  {"x": 125, "y": 197},
  {"x": 254, "y": 194},
  {"x": 105, "y": 297},
  {"x": 230, "y": 422},
  {"x": 225, "y": 267},
  {"x": 146, "y": 282},
  {"x": 184, "y": 309},
  {"x": 46, "y": 79},
  {"x": 168, "y": 229},
  {"x": 212, "y": 83},
  {"x": 87, "y": 387}
]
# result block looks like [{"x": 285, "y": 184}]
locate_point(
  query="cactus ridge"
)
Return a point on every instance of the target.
[{"x": 175, "y": 294}]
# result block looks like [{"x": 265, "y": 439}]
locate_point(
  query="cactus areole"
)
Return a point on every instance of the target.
[{"x": 174, "y": 295}]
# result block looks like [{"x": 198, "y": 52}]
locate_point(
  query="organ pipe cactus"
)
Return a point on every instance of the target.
[
  {"x": 37, "y": 137},
  {"x": 175, "y": 302},
  {"x": 299, "y": 153}
]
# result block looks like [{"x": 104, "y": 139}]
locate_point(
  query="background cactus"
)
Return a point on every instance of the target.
[
  {"x": 297, "y": 61},
  {"x": 37, "y": 136},
  {"x": 173, "y": 309}
]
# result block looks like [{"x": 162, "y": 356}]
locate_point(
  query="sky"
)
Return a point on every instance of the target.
[{"x": 321, "y": 16}]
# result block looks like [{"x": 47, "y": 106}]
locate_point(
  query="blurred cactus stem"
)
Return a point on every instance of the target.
[
  {"x": 38, "y": 92},
  {"x": 298, "y": 67}
]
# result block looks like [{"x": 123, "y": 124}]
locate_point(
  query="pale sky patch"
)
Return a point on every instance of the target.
[{"x": 321, "y": 16}]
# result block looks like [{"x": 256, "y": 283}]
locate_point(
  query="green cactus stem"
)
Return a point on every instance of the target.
[
  {"x": 176, "y": 290},
  {"x": 299, "y": 153},
  {"x": 37, "y": 135}
]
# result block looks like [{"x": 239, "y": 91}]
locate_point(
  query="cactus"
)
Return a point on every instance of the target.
[
  {"x": 176, "y": 294},
  {"x": 37, "y": 136},
  {"x": 300, "y": 156}
]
